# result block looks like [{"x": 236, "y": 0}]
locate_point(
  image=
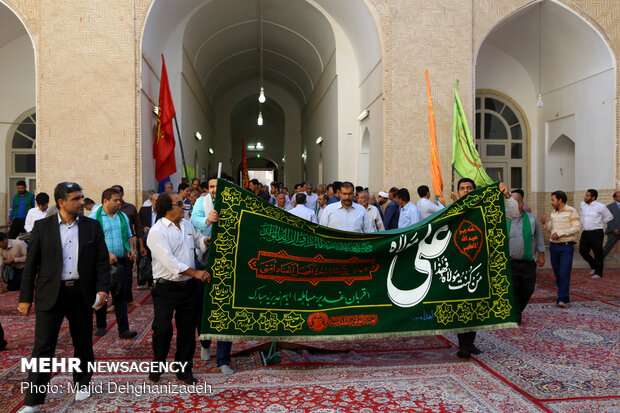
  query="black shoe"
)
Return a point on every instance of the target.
[
  {"x": 100, "y": 332},
  {"x": 463, "y": 354},
  {"x": 189, "y": 380},
  {"x": 476, "y": 351},
  {"x": 154, "y": 377},
  {"x": 127, "y": 334}
]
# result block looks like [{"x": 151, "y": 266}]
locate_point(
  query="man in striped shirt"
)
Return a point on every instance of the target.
[{"x": 564, "y": 226}]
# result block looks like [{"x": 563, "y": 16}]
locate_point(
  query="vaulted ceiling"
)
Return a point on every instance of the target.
[
  {"x": 10, "y": 26},
  {"x": 223, "y": 40},
  {"x": 571, "y": 49}
]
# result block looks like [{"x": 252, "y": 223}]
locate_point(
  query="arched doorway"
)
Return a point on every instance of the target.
[
  {"x": 263, "y": 169},
  {"x": 17, "y": 107},
  {"x": 308, "y": 56},
  {"x": 547, "y": 48}
]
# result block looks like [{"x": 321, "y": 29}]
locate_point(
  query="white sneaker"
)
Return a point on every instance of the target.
[
  {"x": 592, "y": 272},
  {"x": 205, "y": 353},
  {"x": 82, "y": 395},
  {"x": 596, "y": 276},
  {"x": 29, "y": 409},
  {"x": 226, "y": 369}
]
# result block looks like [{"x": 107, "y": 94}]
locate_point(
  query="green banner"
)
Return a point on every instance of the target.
[{"x": 278, "y": 277}]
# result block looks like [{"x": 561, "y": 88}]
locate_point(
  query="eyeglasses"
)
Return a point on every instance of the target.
[{"x": 178, "y": 203}]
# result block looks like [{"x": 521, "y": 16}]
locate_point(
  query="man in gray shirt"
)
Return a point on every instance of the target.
[{"x": 526, "y": 243}]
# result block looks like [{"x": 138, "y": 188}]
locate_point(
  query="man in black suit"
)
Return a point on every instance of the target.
[
  {"x": 392, "y": 211},
  {"x": 613, "y": 226},
  {"x": 69, "y": 262},
  {"x": 148, "y": 216}
]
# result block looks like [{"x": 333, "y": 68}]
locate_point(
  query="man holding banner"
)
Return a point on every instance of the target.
[
  {"x": 465, "y": 186},
  {"x": 203, "y": 218}
]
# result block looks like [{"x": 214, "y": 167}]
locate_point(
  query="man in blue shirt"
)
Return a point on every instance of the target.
[
  {"x": 22, "y": 202},
  {"x": 409, "y": 213},
  {"x": 336, "y": 190},
  {"x": 346, "y": 215},
  {"x": 116, "y": 230},
  {"x": 203, "y": 217}
]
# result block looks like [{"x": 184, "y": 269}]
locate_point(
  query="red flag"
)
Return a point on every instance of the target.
[
  {"x": 245, "y": 178},
  {"x": 163, "y": 148},
  {"x": 435, "y": 165}
]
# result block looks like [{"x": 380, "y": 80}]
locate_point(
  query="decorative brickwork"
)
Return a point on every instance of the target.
[{"x": 88, "y": 82}]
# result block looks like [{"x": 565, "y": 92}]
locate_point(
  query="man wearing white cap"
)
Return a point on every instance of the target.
[{"x": 383, "y": 198}]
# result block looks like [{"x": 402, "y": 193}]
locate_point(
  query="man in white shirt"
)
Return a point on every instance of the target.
[
  {"x": 172, "y": 241},
  {"x": 373, "y": 212},
  {"x": 300, "y": 209},
  {"x": 346, "y": 215},
  {"x": 426, "y": 206},
  {"x": 594, "y": 216},
  {"x": 149, "y": 200},
  {"x": 311, "y": 197},
  {"x": 34, "y": 214},
  {"x": 282, "y": 203}
]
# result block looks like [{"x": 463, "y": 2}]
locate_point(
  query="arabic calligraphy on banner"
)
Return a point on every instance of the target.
[{"x": 276, "y": 276}]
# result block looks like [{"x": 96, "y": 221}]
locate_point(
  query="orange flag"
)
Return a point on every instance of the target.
[
  {"x": 435, "y": 166},
  {"x": 245, "y": 178}
]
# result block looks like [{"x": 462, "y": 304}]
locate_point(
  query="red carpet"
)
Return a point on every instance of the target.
[{"x": 560, "y": 361}]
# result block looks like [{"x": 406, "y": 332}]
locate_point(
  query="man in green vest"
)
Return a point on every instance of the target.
[
  {"x": 526, "y": 242},
  {"x": 23, "y": 201}
]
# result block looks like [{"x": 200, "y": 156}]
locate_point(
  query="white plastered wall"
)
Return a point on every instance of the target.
[{"x": 17, "y": 95}]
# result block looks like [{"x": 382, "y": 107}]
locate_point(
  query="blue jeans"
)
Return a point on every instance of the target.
[
  {"x": 222, "y": 355},
  {"x": 562, "y": 263}
]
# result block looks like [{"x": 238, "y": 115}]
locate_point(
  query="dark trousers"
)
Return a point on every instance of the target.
[
  {"x": 16, "y": 283},
  {"x": 611, "y": 241},
  {"x": 593, "y": 241},
  {"x": 119, "y": 300},
  {"x": 3, "y": 342},
  {"x": 222, "y": 355},
  {"x": 70, "y": 304},
  {"x": 129, "y": 286},
  {"x": 176, "y": 299},
  {"x": 466, "y": 341},
  {"x": 523, "y": 283},
  {"x": 562, "y": 263},
  {"x": 17, "y": 227}
]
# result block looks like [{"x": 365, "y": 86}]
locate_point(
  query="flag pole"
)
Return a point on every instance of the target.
[
  {"x": 456, "y": 87},
  {"x": 176, "y": 123}
]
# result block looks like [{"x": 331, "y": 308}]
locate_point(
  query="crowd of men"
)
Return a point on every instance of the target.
[{"x": 69, "y": 265}]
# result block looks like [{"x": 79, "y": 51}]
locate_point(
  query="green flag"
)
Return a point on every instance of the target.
[
  {"x": 190, "y": 171},
  {"x": 465, "y": 157},
  {"x": 276, "y": 276}
]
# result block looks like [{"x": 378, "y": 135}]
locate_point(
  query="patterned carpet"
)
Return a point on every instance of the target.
[{"x": 557, "y": 361}]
